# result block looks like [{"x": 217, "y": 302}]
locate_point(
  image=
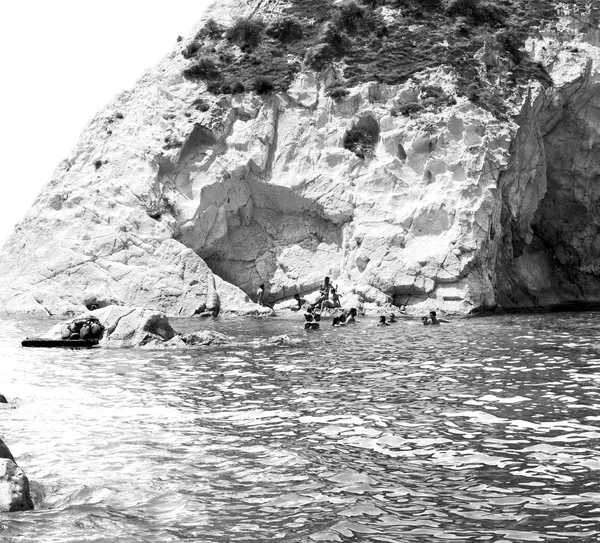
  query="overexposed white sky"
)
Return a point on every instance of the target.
[{"x": 61, "y": 61}]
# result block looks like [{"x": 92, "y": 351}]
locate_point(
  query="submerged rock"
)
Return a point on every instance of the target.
[{"x": 189, "y": 340}]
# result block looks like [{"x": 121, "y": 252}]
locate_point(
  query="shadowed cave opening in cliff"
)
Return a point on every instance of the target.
[{"x": 278, "y": 238}]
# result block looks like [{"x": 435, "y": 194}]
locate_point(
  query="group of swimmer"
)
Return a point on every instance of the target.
[{"x": 329, "y": 299}]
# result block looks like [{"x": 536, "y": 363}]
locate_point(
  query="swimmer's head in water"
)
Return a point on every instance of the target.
[
  {"x": 382, "y": 319},
  {"x": 308, "y": 317},
  {"x": 432, "y": 313}
]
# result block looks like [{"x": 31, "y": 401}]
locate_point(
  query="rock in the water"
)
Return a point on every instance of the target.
[
  {"x": 3, "y": 399},
  {"x": 14, "y": 487},
  {"x": 124, "y": 326}
]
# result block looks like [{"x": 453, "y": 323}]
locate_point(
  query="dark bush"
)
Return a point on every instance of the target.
[
  {"x": 478, "y": 11},
  {"x": 486, "y": 98},
  {"x": 119, "y": 115},
  {"x": 362, "y": 138},
  {"x": 246, "y": 32},
  {"x": 214, "y": 87},
  {"x": 432, "y": 91},
  {"x": 263, "y": 85},
  {"x": 330, "y": 34},
  {"x": 490, "y": 13},
  {"x": 336, "y": 92},
  {"x": 238, "y": 88},
  {"x": 361, "y": 144},
  {"x": 512, "y": 43},
  {"x": 211, "y": 29},
  {"x": 287, "y": 30},
  {"x": 191, "y": 49},
  {"x": 98, "y": 164},
  {"x": 351, "y": 16},
  {"x": 203, "y": 68},
  {"x": 408, "y": 109},
  {"x": 319, "y": 57},
  {"x": 201, "y": 105}
]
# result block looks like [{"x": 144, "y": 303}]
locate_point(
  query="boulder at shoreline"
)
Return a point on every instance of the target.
[{"x": 14, "y": 485}]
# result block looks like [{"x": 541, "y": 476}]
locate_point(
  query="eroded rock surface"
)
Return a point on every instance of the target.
[
  {"x": 167, "y": 206},
  {"x": 14, "y": 485}
]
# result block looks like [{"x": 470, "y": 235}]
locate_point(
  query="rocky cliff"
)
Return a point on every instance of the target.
[{"x": 183, "y": 198}]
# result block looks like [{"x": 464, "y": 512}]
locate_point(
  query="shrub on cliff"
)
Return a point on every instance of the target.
[
  {"x": 350, "y": 17},
  {"x": 337, "y": 92},
  {"x": 319, "y": 57},
  {"x": 287, "y": 30},
  {"x": 478, "y": 11},
  {"x": 211, "y": 29},
  {"x": 360, "y": 142},
  {"x": 362, "y": 138},
  {"x": 246, "y": 32},
  {"x": 263, "y": 85},
  {"x": 203, "y": 68},
  {"x": 331, "y": 35},
  {"x": 238, "y": 88},
  {"x": 191, "y": 49}
]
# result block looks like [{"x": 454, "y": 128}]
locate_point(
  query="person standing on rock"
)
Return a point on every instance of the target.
[{"x": 260, "y": 294}]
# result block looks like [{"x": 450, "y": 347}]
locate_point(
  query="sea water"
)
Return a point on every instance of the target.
[{"x": 483, "y": 429}]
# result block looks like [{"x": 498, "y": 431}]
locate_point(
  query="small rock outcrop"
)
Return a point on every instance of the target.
[
  {"x": 124, "y": 326},
  {"x": 137, "y": 327},
  {"x": 14, "y": 485}
]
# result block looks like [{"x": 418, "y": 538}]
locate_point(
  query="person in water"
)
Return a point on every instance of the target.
[
  {"x": 425, "y": 321},
  {"x": 352, "y": 316},
  {"x": 392, "y": 318},
  {"x": 260, "y": 294},
  {"x": 382, "y": 321},
  {"x": 434, "y": 319},
  {"x": 310, "y": 324},
  {"x": 300, "y": 302}
]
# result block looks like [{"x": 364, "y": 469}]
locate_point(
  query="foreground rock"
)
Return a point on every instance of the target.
[{"x": 14, "y": 485}]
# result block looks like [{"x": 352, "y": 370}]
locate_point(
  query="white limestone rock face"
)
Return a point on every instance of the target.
[{"x": 183, "y": 211}]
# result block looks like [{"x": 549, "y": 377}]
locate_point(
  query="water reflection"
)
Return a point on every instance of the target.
[{"x": 479, "y": 430}]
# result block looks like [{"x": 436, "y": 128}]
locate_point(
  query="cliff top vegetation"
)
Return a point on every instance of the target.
[{"x": 386, "y": 41}]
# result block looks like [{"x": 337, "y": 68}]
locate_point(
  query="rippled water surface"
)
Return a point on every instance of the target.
[{"x": 480, "y": 430}]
